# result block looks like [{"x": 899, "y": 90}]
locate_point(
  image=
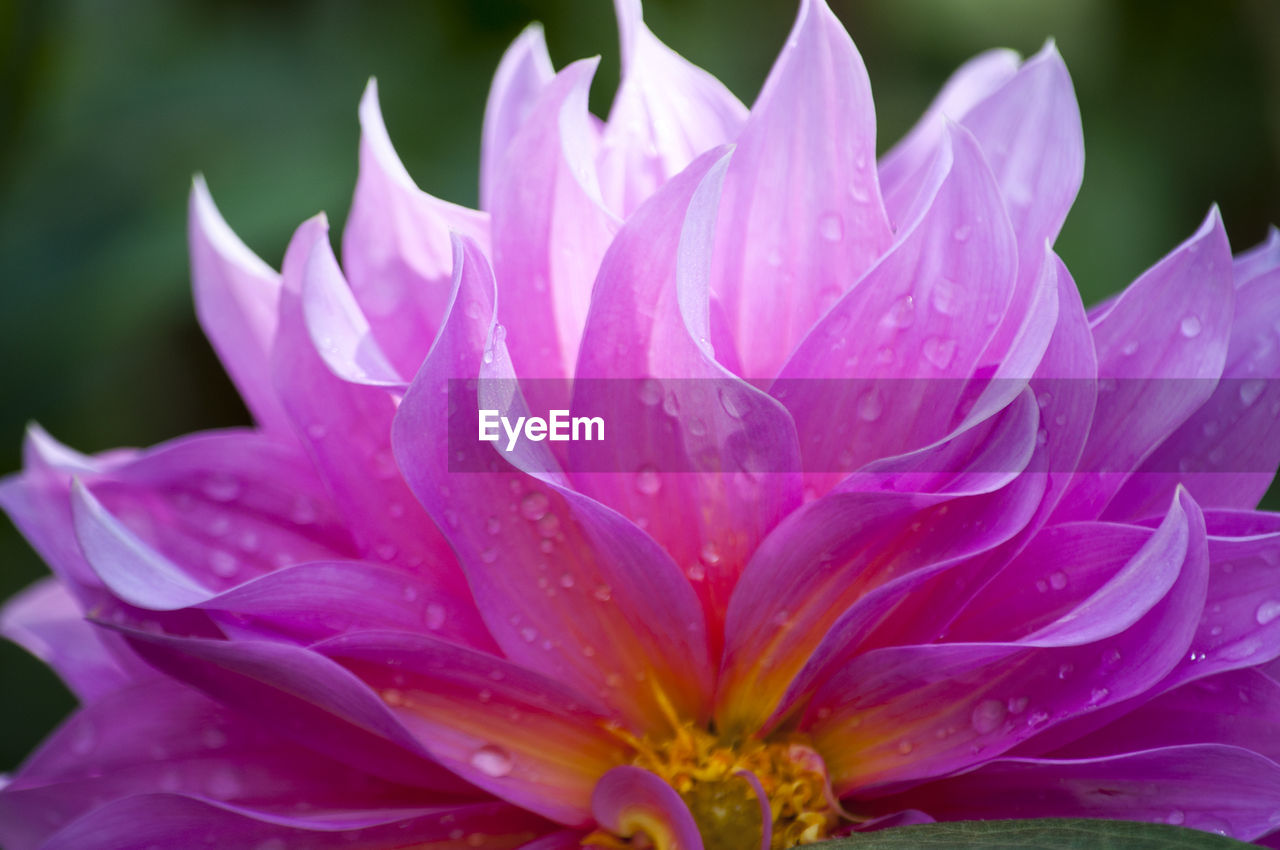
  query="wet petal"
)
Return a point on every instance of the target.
[
  {"x": 630, "y": 801},
  {"x": 802, "y": 216},
  {"x": 508, "y": 730},
  {"x": 237, "y": 301},
  {"x": 667, "y": 112},
  {"x": 395, "y": 248},
  {"x": 567, "y": 587}
]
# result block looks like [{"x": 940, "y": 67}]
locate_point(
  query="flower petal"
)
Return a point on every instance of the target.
[
  {"x": 47, "y": 621},
  {"x": 522, "y": 75},
  {"x": 1226, "y": 453},
  {"x": 631, "y": 801},
  {"x": 346, "y": 429},
  {"x": 933, "y": 299},
  {"x": 1261, "y": 259},
  {"x": 1220, "y": 789},
  {"x": 237, "y": 302},
  {"x": 1161, "y": 348},
  {"x": 508, "y": 730},
  {"x": 395, "y": 247},
  {"x": 667, "y": 112},
  {"x": 546, "y": 198},
  {"x": 903, "y": 167},
  {"x": 567, "y": 587},
  {"x": 802, "y": 217},
  {"x": 710, "y": 489},
  {"x": 901, "y": 714}
]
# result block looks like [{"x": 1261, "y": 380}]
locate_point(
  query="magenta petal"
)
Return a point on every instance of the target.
[
  {"x": 149, "y": 821},
  {"x": 901, "y": 342},
  {"x": 802, "y": 217},
  {"x": 901, "y": 714},
  {"x": 346, "y": 429},
  {"x": 525, "y": 70},
  {"x": 395, "y": 247},
  {"x": 707, "y": 500},
  {"x": 667, "y": 112},
  {"x": 1220, "y": 789},
  {"x": 506, "y": 729},
  {"x": 903, "y": 167},
  {"x": 237, "y": 301},
  {"x": 546, "y": 196},
  {"x": 632, "y": 801},
  {"x": 1161, "y": 349},
  {"x": 567, "y": 587},
  {"x": 1258, "y": 260},
  {"x": 1226, "y": 453},
  {"x": 47, "y": 621}
]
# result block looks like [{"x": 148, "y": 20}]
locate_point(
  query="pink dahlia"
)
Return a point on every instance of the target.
[{"x": 878, "y": 526}]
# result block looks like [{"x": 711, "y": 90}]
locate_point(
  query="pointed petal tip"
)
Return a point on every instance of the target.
[{"x": 210, "y": 226}]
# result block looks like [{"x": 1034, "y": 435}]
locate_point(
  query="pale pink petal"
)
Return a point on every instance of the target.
[
  {"x": 802, "y": 213},
  {"x": 395, "y": 248},
  {"x": 525, "y": 70}
]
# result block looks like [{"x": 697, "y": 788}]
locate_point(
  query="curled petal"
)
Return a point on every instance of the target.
[{"x": 630, "y": 801}]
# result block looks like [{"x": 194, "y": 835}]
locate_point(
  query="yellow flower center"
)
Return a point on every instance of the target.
[{"x": 708, "y": 773}]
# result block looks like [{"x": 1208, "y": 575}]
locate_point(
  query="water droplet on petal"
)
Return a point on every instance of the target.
[
  {"x": 831, "y": 226},
  {"x": 650, "y": 392},
  {"x": 943, "y": 296},
  {"x": 222, "y": 563},
  {"x": 1176, "y": 817},
  {"x": 221, "y": 488},
  {"x": 492, "y": 761},
  {"x": 529, "y": 634},
  {"x": 870, "y": 405},
  {"x": 489, "y": 555},
  {"x": 901, "y": 313},
  {"x": 1267, "y": 612},
  {"x": 1190, "y": 327},
  {"x": 1057, "y": 580},
  {"x": 1065, "y": 671},
  {"x": 1017, "y": 705},
  {"x": 434, "y": 616},
  {"x": 1097, "y": 695},
  {"x": 1129, "y": 348},
  {"x": 940, "y": 352},
  {"x": 905, "y": 747},
  {"x": 533, "y": 506},
  {"x": 987, "y": 716},
  {"x": 961, "y": 233},
  {"x": 648, "y": 482},
  {"x": 603, "y": 593},
  {"x": 1250, "y": 391}
]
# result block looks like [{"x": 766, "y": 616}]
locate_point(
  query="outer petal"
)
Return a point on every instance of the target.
[
  {"x": 1227, "y": 452},
  {"x": 395, "y": 248},
  {"x": 902, "y": 169},
  {"x": 346, "y": 429},
  {"x": 802, "y": 212},
  {"x": 1258, "y": 260},
  {"x": 631, "y": 801},
  {"x": 1214, "y": 788},
  {"x": 508, "y": 730},
  {"x": 709, "y": 488},
  {"x": 162, "y": 737},
  {"x": 933, "y": 300},
  {"x": 904, "y": 713},
  {"x": 523, "y": 73},
  {"x": 237, "y": 301},
  {"x": 567, "y": 587},
  {"x": 550, "y": 227},
  {"x": 46, "y": 620},
  {"x": 1161, "y": 348},
  {"x": 666, "y": 113},
  {"x": 159, "y": 820}
]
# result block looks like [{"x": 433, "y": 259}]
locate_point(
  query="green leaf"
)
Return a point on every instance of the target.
[{"x": 1047, "y": 834}]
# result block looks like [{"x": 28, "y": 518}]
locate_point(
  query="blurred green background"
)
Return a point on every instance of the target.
[{"x": 107, "y": 108}]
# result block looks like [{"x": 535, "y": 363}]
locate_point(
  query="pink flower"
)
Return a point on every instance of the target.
[{"x": 886, "y": 528}]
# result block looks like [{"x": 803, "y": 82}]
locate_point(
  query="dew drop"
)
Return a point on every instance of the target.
[
  {"x": 732, "y": 406},
  {"x": 317, "y": 431},
  {"x": 1190, "y": 327},
  {"x": 603, "y": 593},
  {"x": 1176, "y": 817},
  {"x": 492, "y": 761},
  {"x": 905, "y": 747},
  {"x": 870, "y": 405},
  {"x": 901, "y": 314},
  {"x": 221, "y": 488},
  {"x": 831, "y": 226},
  {"x": 1057, "y": 580},
  {"x": 1017, "y": 705},
  {"x": 961, "y": 233},
  {"x": 987, "y": 716},
  {"x": 1097, "y": 695},
  {"x": 548, "y": 526},
  {"x": 650, "y": 392},
  {"x": 710, "y": 553},
  {"x": 1129, "y": 348},
  {"x": 493, "y": 525},
  {"x": 529, "y": 634},
  {"x": 1267, "y": 612},
  {"x": 222, "y": 563},
  {"x": 1250, "y": 391},
  {"x": 943, "y": 296},
  {"x": 940, "y": 352},
  {"x": 434, "y": 616},
  {"x": 489, "y": 555},
  {"x": 566, "y": 581},
  {"x": 533, "y": 506},
  {"x": 1065, "y": 671},
  {"x": 648, "y": 481},
  {"x": 696, "y": 572}
]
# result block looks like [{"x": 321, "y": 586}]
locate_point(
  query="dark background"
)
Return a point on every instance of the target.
[{"x": 107, "y": 108}]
